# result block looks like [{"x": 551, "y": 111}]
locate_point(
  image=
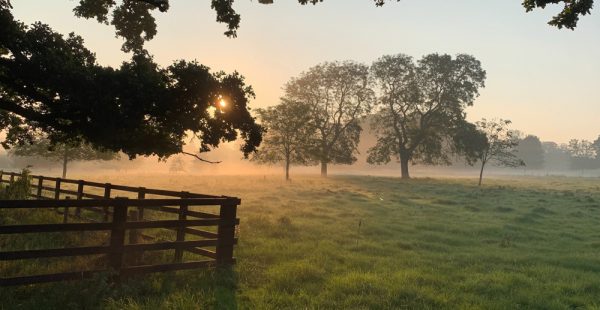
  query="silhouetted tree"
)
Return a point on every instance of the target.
[
  {"x": 338, "y": 95},
  {"x": 531, "y": 152},
  {"x": 53, "y": 84},
  {"x": 500, "y": 146},
  {"x": 288, "y": 137},
  {"x": 421, "y": 105},
  {"x": 62, "y": 152}
]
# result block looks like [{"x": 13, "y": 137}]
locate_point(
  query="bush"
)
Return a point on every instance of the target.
[{"x": 19, "y": 189}]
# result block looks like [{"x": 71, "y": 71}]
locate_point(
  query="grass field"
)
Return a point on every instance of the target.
[{"x": 375, "y": 243}]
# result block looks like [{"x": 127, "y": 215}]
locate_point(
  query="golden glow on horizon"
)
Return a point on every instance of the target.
[{"x": 222, "y": 103}]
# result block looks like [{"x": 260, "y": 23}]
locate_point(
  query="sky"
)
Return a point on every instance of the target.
[{"x": 546, "y": 80}]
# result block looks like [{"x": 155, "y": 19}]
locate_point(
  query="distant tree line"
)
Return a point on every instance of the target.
[{"x": 416, "y": 109}]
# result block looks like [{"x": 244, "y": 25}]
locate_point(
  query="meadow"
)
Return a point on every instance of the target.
[{"x": 361, "y": 242}]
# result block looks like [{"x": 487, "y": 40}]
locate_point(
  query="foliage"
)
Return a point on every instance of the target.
[
  {"x": 531, "y": 152},
  {"x": 423, "y": 244},
  {"x": 19, "y": 189},
  {"x": 289, "y": 134},
  {"x": 421, "y": 106},
  {"x": 583, "y": 155},
  {"x": 53, "y": 84},
  {"x": 337, "y": 94},
  {"x": 134, "y": 22},
  {"x": 500, "y": 146},
  {"x": 62, "y": 151},
  {"x": 569, "y": 16}
]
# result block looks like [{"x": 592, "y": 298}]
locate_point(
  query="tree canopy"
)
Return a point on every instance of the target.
[
  {"x": 530, "y": 150},
  {"x": 52, "y": 84},
  {"x": 289, "y": 135},
  {"x": 421, "y": 106},
  {"x": 338, "y": 94},
  {"x": 133, "y": 20}
]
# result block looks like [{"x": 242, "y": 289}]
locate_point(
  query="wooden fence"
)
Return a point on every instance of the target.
[{"x": 122, "y": 216}]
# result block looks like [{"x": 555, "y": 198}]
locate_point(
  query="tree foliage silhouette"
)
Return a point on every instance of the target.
[{"x": 53, "y": 84}]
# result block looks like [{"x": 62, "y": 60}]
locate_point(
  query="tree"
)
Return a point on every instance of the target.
[
  {"x": 62, "y": 152},
  {"x": 288, "y": 137},
  {"x": 569, "y": 16},
  {"x": 555, "y": 156},
  {"x": 421, "y": 106},
  {"x": 583, "y": 155},
  {"x": 500, "y": 145},
  {"x": 337, "y": 94},
  {"x": 531, "y": 152},
  {"x": 177, "y": 165},
  {"x": 53, "y": 84},
  {"x": 596, "y": 146}
]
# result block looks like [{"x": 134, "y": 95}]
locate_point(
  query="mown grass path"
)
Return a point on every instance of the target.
[{"x": 377, "y": 243}]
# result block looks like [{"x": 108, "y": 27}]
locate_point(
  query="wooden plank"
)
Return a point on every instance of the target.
[
  {"x": 14, "y": 255},
  {"x": 168, "y": 245},
  {"x": 197, "y": 214},
  {"x": 129, "y": 271},
  {"x": 65, "y": 276},
  {"x": 39, "y": 228},
  {"x": 111, "y": 202},
  {"x": 177, "y": 223},
  {"x": 203, "y": 252},
  {"x": 201, "y": 233}
]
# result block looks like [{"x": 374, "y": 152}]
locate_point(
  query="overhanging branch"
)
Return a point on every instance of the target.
[{"x": 200, "y": 158}]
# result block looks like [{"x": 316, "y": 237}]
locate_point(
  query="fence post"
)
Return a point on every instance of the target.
[
  {"x": 57, "y": 189},
  {"x": 66, "y": 213},
  {"x": 79, "y": 197},
  {"x": 40, "y": 187},
  {"x": 117, "y": 234},
  {"x": 226, "y": 233},
  {"x": 141, "y": 195},
  {"x": 107, "y": 187},
  {"x": 1, "y": 176},
  {"x": 12, "y": 177},
  {"x": 183, "y": 208}
]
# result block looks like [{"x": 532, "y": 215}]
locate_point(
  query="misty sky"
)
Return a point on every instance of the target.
[{"x": 547, "y": 81}]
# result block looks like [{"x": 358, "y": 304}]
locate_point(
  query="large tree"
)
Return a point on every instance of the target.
[
  {"x": 584, "y": 155},
  {"x": 62, "y": 152},
  {"x": 500, "y": 146},
  {"x": 421, "y": 106},
  {"x": 530, "y": 150},
  {"x": 288, "y": 137},
  {"x": 53, "y": 84},
  {"x": 338, "y": 95}
]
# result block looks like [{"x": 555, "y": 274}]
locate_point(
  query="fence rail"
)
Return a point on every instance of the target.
[{"x": 123, "y": 217}]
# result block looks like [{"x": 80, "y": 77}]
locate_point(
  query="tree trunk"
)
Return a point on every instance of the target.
[
  {"x": 65, "y": 160},
  {"x": 481, "y": 173},
  {"x": 404, "y": 166},
  {"x": 287, "y": 168},
  {"x": 324, "y": 169}
]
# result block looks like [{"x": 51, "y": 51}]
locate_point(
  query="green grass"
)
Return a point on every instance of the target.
[{"x": 530, "y": 243}]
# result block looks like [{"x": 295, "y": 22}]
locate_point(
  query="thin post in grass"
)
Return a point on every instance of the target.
[{"x": 12, "y": 177}]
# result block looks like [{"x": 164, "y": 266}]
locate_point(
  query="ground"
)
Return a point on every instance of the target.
[{"x": 358, "y": 242}]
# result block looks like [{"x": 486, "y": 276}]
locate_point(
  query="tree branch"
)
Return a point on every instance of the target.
[{"x": 200, "y": 158}]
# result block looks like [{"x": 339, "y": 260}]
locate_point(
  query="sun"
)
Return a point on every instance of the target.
[{"x": 222, "y": 103}]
